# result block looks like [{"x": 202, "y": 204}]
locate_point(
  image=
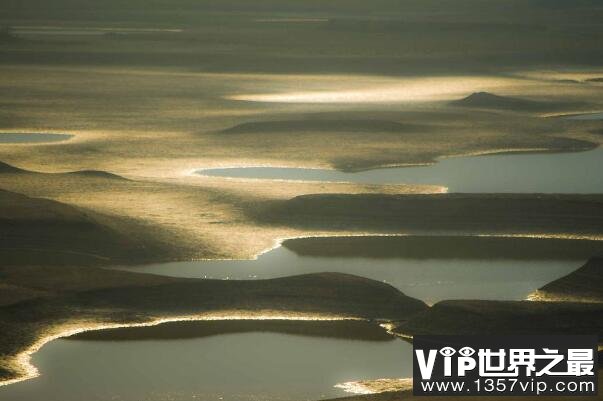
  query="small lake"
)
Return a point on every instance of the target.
[
  {"x": 577, "y": 172},
  {"x": 32, "y": 137},
  {"x": 585, "y": 117},
  {"x": 253, "y": 365},
  {"x": 510, "y": 272},
  {"x": 26, "y": 31}
]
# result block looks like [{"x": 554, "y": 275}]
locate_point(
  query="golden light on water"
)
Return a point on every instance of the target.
[
  {"x": 152, "y": 99},
  {"x": 26, "y": 370}
]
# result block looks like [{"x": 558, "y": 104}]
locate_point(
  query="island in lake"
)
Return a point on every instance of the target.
[{"x": 234, "y": 200}]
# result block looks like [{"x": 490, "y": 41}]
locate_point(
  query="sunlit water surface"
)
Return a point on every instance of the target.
[
  {"x": 34, "y": 31},
  {"x": 430, "y": 280},
  {"x": 272, "y": 366},
  {"x": 229, "y": 367},
  {"x": 577, "y": 172}
]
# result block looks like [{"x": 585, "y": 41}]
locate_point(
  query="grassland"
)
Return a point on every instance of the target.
[
  {"x": 47, "y": 302},
  {"x": 577, "y": 216},
  {"x": 151, "y": 96},
  {"x": 583, "y": 284}
]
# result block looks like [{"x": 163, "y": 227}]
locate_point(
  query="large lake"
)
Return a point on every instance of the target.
[
  {"x": 244, "y": 366},
  {"x": 577, "y": 172},
  {"x": 427, "y": 268}
]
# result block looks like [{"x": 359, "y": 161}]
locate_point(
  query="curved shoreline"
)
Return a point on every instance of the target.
[
  {"x": 494, "y": 152},
  {"x": 22, "y": 361},
  {"x": 279, "y": 241},
  {"x": 123, "y": 299}
]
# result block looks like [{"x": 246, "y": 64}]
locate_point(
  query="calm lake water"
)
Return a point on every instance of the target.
[
  {"x": 277, "y": 366},
  {"x": 33, "y": 31},
  {"x": 587, "y": 116},
  {"x": 578, "y": 172},
  {"x": 32, "y": 137},
  {"x": 430, "y": 279},
  {"x": 261, "y": 366}
]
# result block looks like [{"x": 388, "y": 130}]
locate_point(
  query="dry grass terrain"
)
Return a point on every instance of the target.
[
  {"x": 585, "y": 284},
  {"x": 577, "y": 216},
  {"x": 51, "y": 301},
  {"x": 150, "y": 97}
]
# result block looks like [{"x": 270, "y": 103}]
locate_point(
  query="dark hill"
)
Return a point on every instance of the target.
[
  {"x": 98, "y": 174},
  {"x": 318, "y": 125},
  {"x": 7, "y": 168},
  {"x": 584, "y": 283},
  {"x": 36, "y": 231},
  {"x": 486, "y": 100}
]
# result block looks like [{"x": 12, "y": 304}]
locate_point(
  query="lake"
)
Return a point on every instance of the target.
[
  {"x": 249, "y": 365},
  {"x": 575, "y": 172},
  {"x": 10, "y": 137},
  {"x": 585, "y": 117},
  {"x": 428, "y": 268}
]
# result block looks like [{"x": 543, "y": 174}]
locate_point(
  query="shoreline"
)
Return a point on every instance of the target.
[
  {"x": 198, "y": 172},
  {"x": 139, "y": 300},
  {"x": 22, "y": 361}
]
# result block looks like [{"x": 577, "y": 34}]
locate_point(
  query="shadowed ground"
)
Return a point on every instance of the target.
[
  {"x": 506, "y": 317},
  {"x": 35, "y": 230},
  {"x": 563, "y": 215},
  {"x": 343, "y": 329},
  {"x": 48, "y": 301},
  {"x": 445, "y": 247},
  {"x": 485, "y": 100},
  {"x": 585, "y": 284}
]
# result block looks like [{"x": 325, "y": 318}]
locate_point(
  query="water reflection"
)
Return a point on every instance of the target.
[
  {"x": 577, "y": 172},
  {"x": 249, "y": 365},
  {"x": 427, "y": 268}
]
